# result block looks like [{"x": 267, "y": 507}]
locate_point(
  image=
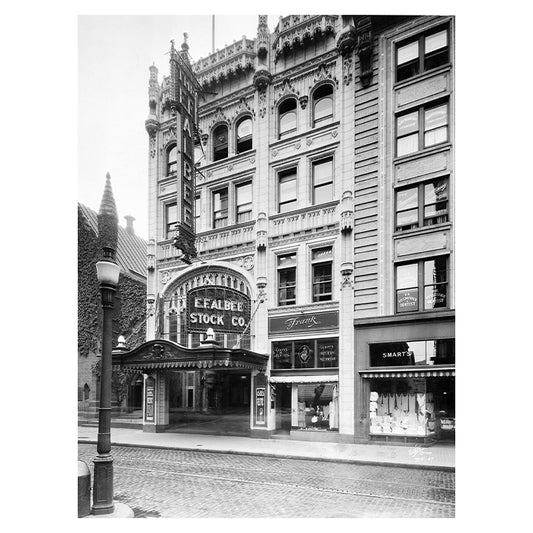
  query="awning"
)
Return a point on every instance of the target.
[
  {"x": 304, "y": 379},
  {"x": 409, "y": 373},
  {"x": 163, "y": 354}
]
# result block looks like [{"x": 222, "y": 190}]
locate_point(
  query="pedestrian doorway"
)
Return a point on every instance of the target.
[{"x": 283, "y": 406}]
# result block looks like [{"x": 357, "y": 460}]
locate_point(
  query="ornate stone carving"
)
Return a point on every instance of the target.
[
  {"x": 303, "y": 101},
  {"x": 263, "y": 37},
  {"x": 365, "y": 49},
  {"x": 322, "y": 73},
  {"x": 347, "y": 74},
  {"x": 262, "y": 103},
  {"x": 152, "y": 127},
  {"x": 165, "y": 277},
  {"x": 248, "y": 262},
  {"x": 346, "y": 273},
  {"x": 347, "y": 212},
  {"x": 284, "y": 89},
  {"x": 295, "y": 29},
  {"x": 157, "y": 352},
  {"x": 346, "y": 41}
]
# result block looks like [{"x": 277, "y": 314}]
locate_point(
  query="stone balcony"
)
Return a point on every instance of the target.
[
  {"x": 303, "y": 220},
  {"x": 228, "y": 237}
]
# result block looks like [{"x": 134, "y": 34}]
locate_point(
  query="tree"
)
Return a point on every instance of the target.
[{"x": 119, "y": 382}]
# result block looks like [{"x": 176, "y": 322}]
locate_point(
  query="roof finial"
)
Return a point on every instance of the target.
[{"x": 185, "y": 46}]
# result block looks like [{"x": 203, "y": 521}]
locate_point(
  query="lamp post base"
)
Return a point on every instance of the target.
[
  {"x": 103, "y": 485},
  {"x": 121, "y": 510}
]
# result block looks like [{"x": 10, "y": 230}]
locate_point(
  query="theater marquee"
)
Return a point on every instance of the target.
[{"x": 221, "y": 308}]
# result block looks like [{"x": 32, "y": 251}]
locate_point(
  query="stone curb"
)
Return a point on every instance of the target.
[{"x": 442, "y": 468}]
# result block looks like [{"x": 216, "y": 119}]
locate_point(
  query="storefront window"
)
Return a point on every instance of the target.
[
  {"x": 407, "y": 353},
  {"x": 319, "y": 353},
  {"x": 417, "y": 407},
  {"x": 318, "y": 406}
]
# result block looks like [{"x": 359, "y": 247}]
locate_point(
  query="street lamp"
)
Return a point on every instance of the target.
[{"x": 108, "y": 273}]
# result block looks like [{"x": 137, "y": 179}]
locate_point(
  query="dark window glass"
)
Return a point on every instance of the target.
[
  {"x": 220, "y": 208},
  {"x": 244, "y": 135},
  {"x": 171, "y": 220},
  {"x": 435, "y": 283},
  {"x": 436, "y": 202},
  {"x": 282, "y": 354},
  {"x": 287, "y": 117},
  {"x": 409, "y": 353},
  {"x": 304, "y": 354},
  {"x": 243, "y": 195},
  {"x": 428, "y": 51},
  {"x": 220, "y": 143},
  {"x": 322, "y": 274},
  {"x": 172, "y": 160},
  {"x": 287, "y": 191},
  {"x": 327, "y": 353},
  {"x": 197, "y": 210},
  {"x": 287, "y": 279},
  {"x": 323, "y": 181},
  {"x": 322, "y": 105}
]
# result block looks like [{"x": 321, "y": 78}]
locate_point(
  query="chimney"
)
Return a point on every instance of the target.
[{"x": 129, "y": 224}]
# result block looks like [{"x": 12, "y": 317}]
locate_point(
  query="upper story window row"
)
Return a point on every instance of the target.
[
  {"x": 243, "y": 138},
  {"x": 321, "y": 110},
  {"x": 422, "y": 53}
]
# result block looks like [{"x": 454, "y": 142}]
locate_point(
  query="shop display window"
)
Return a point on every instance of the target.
[
  {"x": 318, "y": 406},
  {"x": 417, "y": 407},
  {"x": 311, "y": 353}
]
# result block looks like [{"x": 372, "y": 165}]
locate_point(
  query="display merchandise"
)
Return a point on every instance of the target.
[
  {"x": 409, "y": 414},
  {"x": 318, "y": 406}
]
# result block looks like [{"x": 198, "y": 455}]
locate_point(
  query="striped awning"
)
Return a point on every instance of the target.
[
  {"x": 403, "y": 373},
  {"x": 304, "y": 379}
]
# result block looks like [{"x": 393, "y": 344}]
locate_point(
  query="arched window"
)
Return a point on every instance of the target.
[
  {"x": 244, "y": 135},
  {"x": 220, "y": 143},
  {"x": 322, "y": 105},
  {"x": 172, "y": 160},
  {"x": 287, "y": 118}
]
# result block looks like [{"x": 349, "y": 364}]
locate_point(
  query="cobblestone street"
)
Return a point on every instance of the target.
[{"x": 185, "y": 484}]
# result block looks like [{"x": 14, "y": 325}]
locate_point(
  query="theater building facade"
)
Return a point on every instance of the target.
[{"x": 301, "y": 241}]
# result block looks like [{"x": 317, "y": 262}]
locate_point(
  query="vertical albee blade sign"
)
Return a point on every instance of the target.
[{"x": 184, "y": 101}]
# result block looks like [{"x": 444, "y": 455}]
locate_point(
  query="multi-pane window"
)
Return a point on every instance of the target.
[
  {"x": 323, "y": 105},
  {"x": 172, "y": 160},
  {"x": 243, "y": 200},
  {"x": 323, "y": 181},
  {"x": 287, "y": 200},
  {"x": 244, "y": 135},
  {"x": 310, "y": 353},
  {"x": 220, "y": 208},
  {"x": 197, "y": 211},
  {"x": 422, "y": 128},
  {"x": 425, "y": 204},
  {"x": 425, "y": 52},
  {"x": 220, "y": 142},
  {"x": 287, "y": 279},
  {"x": 322, "y": 262},
  {"x": 429, "y": 277},
  {"x": 287, "y": 117},
  {"x": 171, "y": 219}
]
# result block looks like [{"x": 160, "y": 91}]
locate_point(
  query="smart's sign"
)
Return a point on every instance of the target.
[{"x": 220, "y": 308}]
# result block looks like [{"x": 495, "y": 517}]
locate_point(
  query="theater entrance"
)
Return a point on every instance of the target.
[{"x": 216, "y": 402}]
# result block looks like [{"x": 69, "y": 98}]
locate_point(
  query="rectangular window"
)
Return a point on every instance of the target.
[
  {"x": 423, "y": 128},
  {"x": 428, "y": 277},
  {"x": 425, "y": 52},
  {"x": 171, "y": 219},
  {"x": 425, "y": 204},
  {"x": 411, "y": 353},
  {"x": 309, "y": 353},
  {"x": 287, "y": 279},
  {"x": 220, "y": 208},
  {"x": 322, "y": 261},
  {"x": 243, "y": 194},
  {"x": 323, "y": 181},
  {"x": 197, "y": 210},
  {"x": 287, "y": 200}
]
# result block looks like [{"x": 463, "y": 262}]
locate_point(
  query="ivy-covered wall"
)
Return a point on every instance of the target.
[{"x": 128, "y": 314}]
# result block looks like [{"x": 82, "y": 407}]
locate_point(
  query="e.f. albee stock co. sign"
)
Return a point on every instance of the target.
[
  {"x": 303, "y": 322},
  {"x": 220, "y": 308}
]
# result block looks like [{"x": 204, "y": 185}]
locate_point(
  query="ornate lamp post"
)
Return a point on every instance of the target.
[{"x": 108, "y": 274}]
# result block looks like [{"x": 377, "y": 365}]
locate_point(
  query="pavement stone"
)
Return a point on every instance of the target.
[{"x": 194, "y": 484}]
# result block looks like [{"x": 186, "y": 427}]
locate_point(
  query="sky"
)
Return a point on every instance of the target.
[{"x": 114, "y": 54}]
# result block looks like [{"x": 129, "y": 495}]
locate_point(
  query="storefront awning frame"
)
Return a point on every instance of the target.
[
  {"x": 331, "y": 378},
  {"x": 163, "y": 354},
  {"x": 397, "y": 372}
]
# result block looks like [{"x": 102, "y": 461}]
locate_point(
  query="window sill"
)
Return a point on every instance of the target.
[
  {"x": 422, "y": 153},
  {"x": 422, "y": 76},
  {"x": 419, "y": 231}
]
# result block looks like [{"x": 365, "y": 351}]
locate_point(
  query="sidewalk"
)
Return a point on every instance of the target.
[{"x": 439, "y": 457}]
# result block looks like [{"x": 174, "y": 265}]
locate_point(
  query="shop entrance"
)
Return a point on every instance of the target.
[
  {"x": 283, "y": 406},
  {"x": 214, "y": 402}
]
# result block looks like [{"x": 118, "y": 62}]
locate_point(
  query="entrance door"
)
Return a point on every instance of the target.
[{"x": 283, "y": 406}]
